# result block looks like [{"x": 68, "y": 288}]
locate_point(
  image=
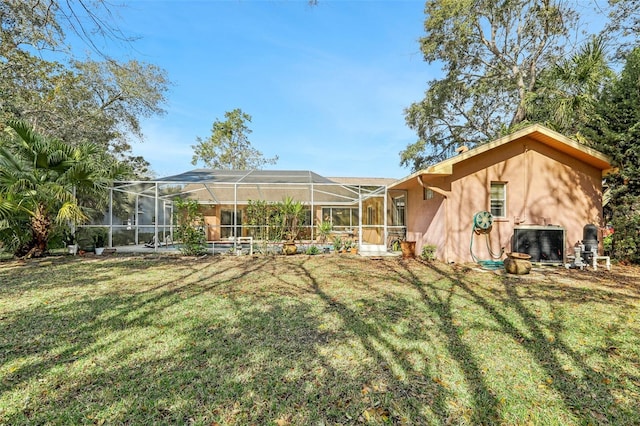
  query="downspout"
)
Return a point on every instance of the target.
[
  {"x": 523, "y": 216},
  {"x": 446, "y": 215}
]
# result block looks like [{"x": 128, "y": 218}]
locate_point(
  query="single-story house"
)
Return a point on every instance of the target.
[
  {"x": 540, "y": 188},
  {"x": 535, "y": 181}
]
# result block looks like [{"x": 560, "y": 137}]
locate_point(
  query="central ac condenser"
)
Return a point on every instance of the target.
[{"x": 545, "y": 244}]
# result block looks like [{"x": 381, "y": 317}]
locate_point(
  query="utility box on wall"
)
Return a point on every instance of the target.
[{"x": 545, "y": 244}]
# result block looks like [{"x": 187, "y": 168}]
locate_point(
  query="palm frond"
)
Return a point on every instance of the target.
[{"x": 70, "y": 211}]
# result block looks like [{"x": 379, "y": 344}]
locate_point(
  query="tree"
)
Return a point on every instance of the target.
[
  {"x": 491, "y": 53},
  {"x": 228, "y": 147},
  {"x": 41, "y": 180},
  {"x": 41, "y": 25},
  {"x": 566, "y": 95},
  {"x": 615, "y": 131},
  {"x": 74, "y": 101},
  {"x": 624, "y": 24},
  {"x": 98, "y": 101}
]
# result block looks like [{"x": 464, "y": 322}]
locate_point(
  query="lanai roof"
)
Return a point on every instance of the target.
[
  {"x": 246, "y": 177},
  {"x": 232, "y": 186}
]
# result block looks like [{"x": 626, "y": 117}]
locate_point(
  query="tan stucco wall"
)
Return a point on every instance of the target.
[{"x": 544, "y": 187}]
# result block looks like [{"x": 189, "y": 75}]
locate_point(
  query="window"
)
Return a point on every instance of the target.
[
  {"x": 499, "y": 199},
  {"x": 427, "y": 194},
  {"x": 341, "y": 217},
  {"x": 398, "y": 211},
  {"x": 227, "y": 223}
]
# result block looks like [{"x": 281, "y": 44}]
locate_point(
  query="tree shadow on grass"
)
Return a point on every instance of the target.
[
  {"x": 372, "y": 333},
  {"x": 58, "y": 322},
  {"x": 271, "y": 340},
  {"x": 586, "y": 393},
  {"x": 236, "y": 357},
  {"x": 484, "y": 402}
]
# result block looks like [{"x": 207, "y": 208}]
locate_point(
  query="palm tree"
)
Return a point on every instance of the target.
[
  {"x": 39, "y": 180},
  {"x": 568, "y": 92}
]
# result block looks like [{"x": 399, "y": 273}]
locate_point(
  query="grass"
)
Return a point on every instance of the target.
[{"x": 314, "y": 340}]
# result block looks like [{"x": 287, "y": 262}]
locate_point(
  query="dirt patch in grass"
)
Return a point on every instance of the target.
[{"x": 315, "y": 340}]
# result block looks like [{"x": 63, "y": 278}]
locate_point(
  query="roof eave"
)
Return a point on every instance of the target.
[{"x": 535, "y": 131}]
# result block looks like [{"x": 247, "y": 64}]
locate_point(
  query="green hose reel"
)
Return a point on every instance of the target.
[{"x": 482, "y": 221}]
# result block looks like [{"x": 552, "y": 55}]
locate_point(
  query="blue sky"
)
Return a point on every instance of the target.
[{"x": 326, "y": 85}]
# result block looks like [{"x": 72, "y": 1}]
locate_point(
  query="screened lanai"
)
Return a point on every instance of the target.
[{"x": 361, "y": 209}]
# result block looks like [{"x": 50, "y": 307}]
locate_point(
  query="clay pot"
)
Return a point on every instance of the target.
[
  {"x": 521, "y": 256},
  {"x": 517, "y": 266},
  {"x": 289, "y": 248},
  {"x": 408, "y": 249}
]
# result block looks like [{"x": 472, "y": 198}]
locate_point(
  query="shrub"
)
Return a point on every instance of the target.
[
  {"x": 312, "y": 250},
  {"x": 190, "y": 228},
  {"x": 429, "y": 252}
]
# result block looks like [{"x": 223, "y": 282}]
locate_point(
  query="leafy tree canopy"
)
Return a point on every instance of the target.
[
  {"x": 491, "y": 52},
  {"x": 42, "y": 24},
  {"x": 567, "y": 94},
  {"x": 79, "y": 100},
  {"x": 228, "y": 147},
  {"x": 624, "y": 24}
]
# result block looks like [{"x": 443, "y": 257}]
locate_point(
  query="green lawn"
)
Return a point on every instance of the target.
[{"x": 314, "y": 340}]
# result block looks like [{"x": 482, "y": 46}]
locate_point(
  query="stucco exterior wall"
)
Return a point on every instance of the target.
[{"x": 543, "y": 187}]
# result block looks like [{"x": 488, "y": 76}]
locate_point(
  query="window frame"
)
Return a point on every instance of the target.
[
  {"x": 427, "y": 194},
  {"x": 502, "y": 201}
]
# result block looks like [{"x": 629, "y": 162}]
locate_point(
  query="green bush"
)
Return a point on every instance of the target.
[
  {"x": 625, "y": 244},
  {"x": 429, "y": 252},
  {"x": 190, "y": 228},
  {"x": 312, "y": 250}
]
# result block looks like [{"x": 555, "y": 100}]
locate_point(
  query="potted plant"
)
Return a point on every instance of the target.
[
  {"x": 354, "y": 248},
  {"x": 337, "y": 243},
  {"x": 99, "y": 239},
  {"x": 72, "y": 245},
  {"x": 291, "y": 216},
  {"x": 324, "y": 229},
  {"x": 346, "y": 247}
]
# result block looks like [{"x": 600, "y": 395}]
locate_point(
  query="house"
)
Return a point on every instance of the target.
[
  {"x": 534, "y": 179},
  {"x": 536, "y": 184}
]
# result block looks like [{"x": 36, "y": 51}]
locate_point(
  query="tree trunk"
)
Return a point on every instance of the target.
[{"x": 40, "y": 230}]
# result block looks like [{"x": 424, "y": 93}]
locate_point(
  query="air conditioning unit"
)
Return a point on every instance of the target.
[{"x": 545, "y": 244}]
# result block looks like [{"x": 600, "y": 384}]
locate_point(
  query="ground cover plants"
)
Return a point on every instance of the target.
[{"x": 326, "y": 339}]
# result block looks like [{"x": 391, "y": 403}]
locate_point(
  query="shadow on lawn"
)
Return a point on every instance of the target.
[
  {"x": 371, "y": 336},
  {"x": 239, "y": 356},
  {"x": 484, "y": 402},
  {"x": 213, "y": 343},
  {"x": 586, "y": 393},
  {"x": 57, "y": 333}
]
